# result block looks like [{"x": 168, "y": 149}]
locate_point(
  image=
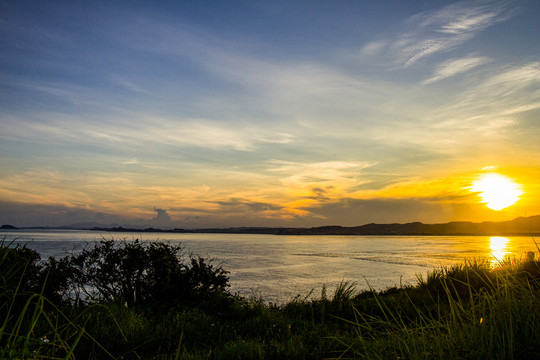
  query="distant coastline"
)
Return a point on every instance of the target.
[{"x": 522, "y": 226}]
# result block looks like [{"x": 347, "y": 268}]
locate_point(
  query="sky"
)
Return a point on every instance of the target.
[{"x": 197, "y": 114}]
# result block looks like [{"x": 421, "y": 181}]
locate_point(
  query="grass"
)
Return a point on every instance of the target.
[
  {"x": 31, "y": 326},
  {"x": 497, "y": 318},
  {"x": 468, "y": 311}
]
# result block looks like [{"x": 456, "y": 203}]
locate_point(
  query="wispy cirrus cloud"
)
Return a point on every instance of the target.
[
  {"x": 210, "y": 134},
  {"x": 512, "y": 90},
  {"x": 455, "y": 66},
  {"x": 460, "y": 17},
  {"x": 445, "y": 29},
  {"x": 123, "y": 132},
  {"x": 128, "y": 85},
  {"x": 440, "y": 30}
]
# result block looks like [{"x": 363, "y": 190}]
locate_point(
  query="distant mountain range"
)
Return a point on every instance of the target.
[
  {"x": 519, "y": 226},
  {"x": 528, "y": 226}
]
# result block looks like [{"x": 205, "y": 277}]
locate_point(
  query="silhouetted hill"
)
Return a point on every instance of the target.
[
  {"x": 8, "y": 227},
  {"x": 519, "y": 226}
]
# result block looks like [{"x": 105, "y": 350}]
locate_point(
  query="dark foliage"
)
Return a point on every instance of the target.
[
  {"x": 151, "y": 301},
  {"x": 22, "y": 274},
  {"x": 154, "y": 274},
  {"x": 20, "y": 270}
]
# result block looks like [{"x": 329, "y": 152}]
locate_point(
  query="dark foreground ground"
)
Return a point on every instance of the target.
[{"x": 122, "y": 300}]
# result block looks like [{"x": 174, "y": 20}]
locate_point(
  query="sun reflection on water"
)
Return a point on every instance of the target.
[{"x": 499, "y": 248}]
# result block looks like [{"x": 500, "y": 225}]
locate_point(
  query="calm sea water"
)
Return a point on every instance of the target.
[{"x": 279, "y": 268}]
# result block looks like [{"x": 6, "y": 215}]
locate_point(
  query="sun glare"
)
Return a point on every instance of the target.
[
  {"x": 498, "y": 246},
  {"x": 497, "y": 191}
]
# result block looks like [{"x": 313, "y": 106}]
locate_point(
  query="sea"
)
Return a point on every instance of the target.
[{"x": 279, "y": 268}]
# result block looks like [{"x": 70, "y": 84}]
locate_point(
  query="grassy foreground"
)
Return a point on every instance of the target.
[{"x": 471, "y": 311}]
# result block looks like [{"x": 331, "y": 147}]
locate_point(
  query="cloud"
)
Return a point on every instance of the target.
[
  {"x": 243, "y": 205},
  {"x": 222, "y": 105},
  {"x": 132, "y": 161},
  {"x": 321, "y": 194},
  {"x": 124, "y": 132},
  {"x": 494, "y": 103},
  {"x": 353, "y": 212},
  {"x": 444, "y": 29},
  {"x": 456, "y": 66},
  {"x": 31, "y": 214},
  {"x": 128, "y": 85},
  {"x": 234, "y": 212},
  {"x": 462, "y": 17},
  {"x": 305, "y": 175},
  {"x": 212, "y": 134},
  {"x": 162, "y": 217},
  {"x": 513, "y": 78},
  {"x": 373, "y": 48}
]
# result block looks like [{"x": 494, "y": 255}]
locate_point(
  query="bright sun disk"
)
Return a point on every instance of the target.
[{"x": 497, "y": 191}]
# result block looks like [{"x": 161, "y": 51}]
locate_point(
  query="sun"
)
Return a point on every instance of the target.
[{"x": 497, "y": 191}]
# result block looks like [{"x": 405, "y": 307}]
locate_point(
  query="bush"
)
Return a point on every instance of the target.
[
  {"x": 135, "y": 273},
  {"x": 31, "y": 326},
  {"x": 19, "y": 268}
]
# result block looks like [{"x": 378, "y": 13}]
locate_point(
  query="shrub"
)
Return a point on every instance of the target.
[
  {"x": 31, "y": 326},
  {"x": 136, "y": 273},
  {"x": 19, "y": 268}
]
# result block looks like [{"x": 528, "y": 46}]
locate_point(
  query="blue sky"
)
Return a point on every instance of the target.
[{"x": 285, "y": 113}]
